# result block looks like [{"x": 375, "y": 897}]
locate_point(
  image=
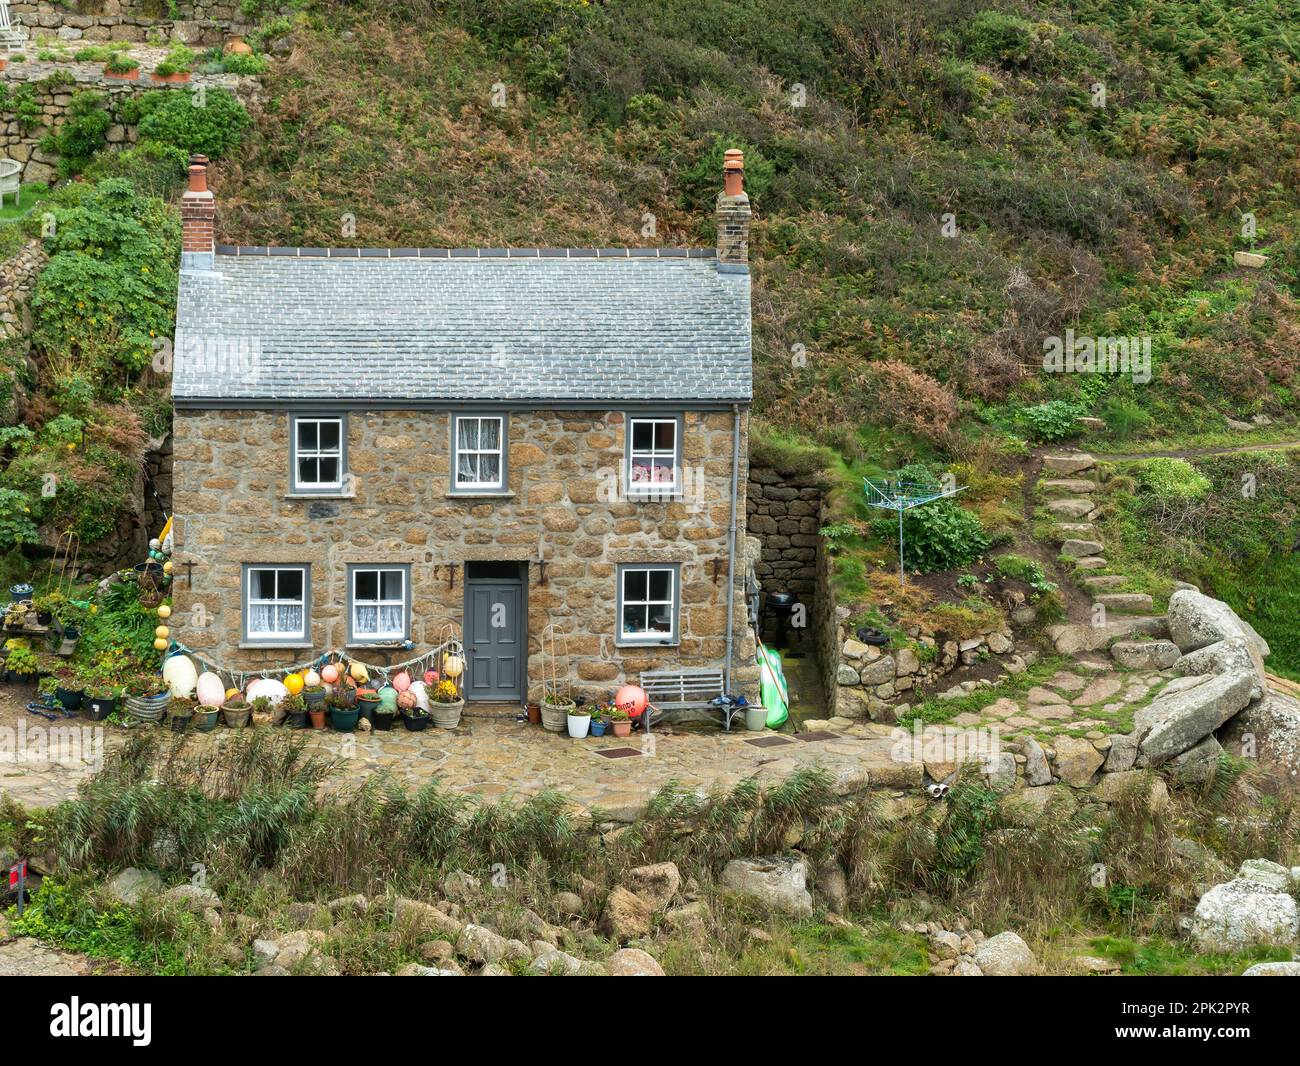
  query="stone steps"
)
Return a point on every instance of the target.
[
  {"x": 1071, "y": 463},
  {"x": 1091, "y": 562},
  {"x": 1126, "y": 602},
  {"x": 1074, "y": 529},
  {"x": 1103, "y": 581},
  {"x": 1071, "y": 639},
  {"x": 1069, "y": 485},
  {"x": 1081, "y": 549},
  {"x": 1072, "y": 507}
]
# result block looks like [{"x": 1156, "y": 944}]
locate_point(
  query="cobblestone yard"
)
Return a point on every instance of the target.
[{"x": 493, "y": 755}]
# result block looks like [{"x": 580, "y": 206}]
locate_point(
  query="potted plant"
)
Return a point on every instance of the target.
[
  {"x": 21, "y": 665},
  {"x": 346, "y": 692},
  {"x": 367, "y": 701},
  {"x": 236, "y": 712},
  {"x": 263, "y": 711},
  {"x": 146, "y": 696},
  {"x": 102, "y": 694},
  {"x": 205, "y": 717},
  {"x": 342, "y": 717},
  {"x": 555, "y": 711},
  {"x": 180, "y": 713},
  {"x": 446, "y": 703},
  {"x": 47, "y": 605},
  {"x": 578, "y": 721},
  {"x": 599, "y": 720},
  {"x": 314, "y": 698},
  {"x": 415, "y": 718},
  {"x": 175, "y": 68},
  {"x": 295, "y": 712},
  {"x": 123, "y": 68},
  {"x": 620, "y": 723},
  {"x": 382, "y": 716},
  {"x": 70, "y": 688},
  {"x": 316, "y": 711}
]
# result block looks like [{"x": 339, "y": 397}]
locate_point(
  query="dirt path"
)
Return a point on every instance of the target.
[{"x": 1196, "y": 453}]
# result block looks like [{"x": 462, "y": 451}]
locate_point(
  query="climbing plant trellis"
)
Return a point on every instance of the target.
[{"x": 888, "y": 494}]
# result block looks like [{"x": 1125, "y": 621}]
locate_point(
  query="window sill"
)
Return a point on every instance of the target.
[
  {"x": 320, "y": 495},
  {"x": 654, "y": 497},
  {"x": 396, "y": 644},
  {"x": 479, "y": 494},
  {"x": 272, "y": 645},
  {"x": 647, "y": 643}
]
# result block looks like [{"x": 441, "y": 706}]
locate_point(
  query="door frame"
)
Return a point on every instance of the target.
[{"x": 521, "y": 579}]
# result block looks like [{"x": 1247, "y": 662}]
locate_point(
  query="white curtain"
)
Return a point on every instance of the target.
[
  {"x": 275, "y": 618},
  {"x": 386, "y": 619}
]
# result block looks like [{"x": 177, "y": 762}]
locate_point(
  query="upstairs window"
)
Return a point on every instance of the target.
[
  {"x": 647, "y": 604},
  {"x": 318, "y": 453},
  {"x": 275, "y": 604},
  {"x": 653, "y": 457},
  {"x": 379, "y": 601},
  {"x": 479, "y": 459}
]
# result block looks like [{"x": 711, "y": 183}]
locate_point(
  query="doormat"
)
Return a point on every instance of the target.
[
  {"x": 618, "y": 753},
  {"x": 769, "y": 742},
  {"x": 813, "y": 736}
]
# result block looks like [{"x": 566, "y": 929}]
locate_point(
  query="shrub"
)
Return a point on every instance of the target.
[
  {"x": 82, "y": 133},
  {"x": 1052, "y": 421},
  {"x": 1173, "y": 479},
  {"x": 910, "y": 400},
  {"x": 174, "y": 118},
  {"x": 937, "y": 536},
  {"x": 249, "y": 63}
]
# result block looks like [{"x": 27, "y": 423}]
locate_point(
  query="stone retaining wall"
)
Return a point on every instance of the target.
[
  {"x": 54, "y": 96},
  {"x": 17, "y": 281},
  {"x": 785, "y": 514},
  {"x": 197, "y": 24}
]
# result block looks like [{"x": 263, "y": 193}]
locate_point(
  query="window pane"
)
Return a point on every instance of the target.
[
  {"x": 634, "y": 619},
  {"x": 365, "y": 619},
  {"x": 327, "y": 471},
  {"x": 307, "y": 471},
  {"x": 467, "y": 433},
  {"x": 661, "y": 585},
  {"x": 489, "y": 469},
  {"x": 489, "y": 433},
  {"x": 642, "y": 436},
  {"x": 290, "y": 585},
  {"x": 367, "y": 585},
  {"x": 665, "y": 436},
  {"x": 661, "y": 619},
  {"x": 261, "y": 584},
  {"x": 662, "y": 471},
  {"x": 307, "y": 436},
  {"x": 391, "y": 581},
  {"x": 329, "y": 436},
  {"x": 634, "y": 584}
]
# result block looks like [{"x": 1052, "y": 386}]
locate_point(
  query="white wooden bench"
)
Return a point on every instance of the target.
[{"x": 685, "y": 690}]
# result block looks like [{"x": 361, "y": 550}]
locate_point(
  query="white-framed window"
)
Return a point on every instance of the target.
[
  {"x": 319, "y": 453},
  {"x": 479, "y": 459},
  {"x": 653, "y": 449},
  {"x": 647, "y": 603},
  {"x": 378, "y": 603},
  {"x": 276, "y": 603}
]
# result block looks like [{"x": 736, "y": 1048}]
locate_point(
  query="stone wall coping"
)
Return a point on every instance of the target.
[{"x": 465, "y": 253}]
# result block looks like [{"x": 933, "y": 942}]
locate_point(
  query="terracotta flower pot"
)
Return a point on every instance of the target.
[
  {"x": 622, "y": 729},
  {"x": 130, "y": 75}
]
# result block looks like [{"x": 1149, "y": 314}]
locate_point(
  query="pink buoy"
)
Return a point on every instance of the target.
[
  {"x": 401, "y": 681},
  {"x": 631, "y": 698},
  {"x": 431, "y": 677},
  {"x": 329, "y": 673}
]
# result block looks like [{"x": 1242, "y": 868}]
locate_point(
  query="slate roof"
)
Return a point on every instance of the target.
[{"x": 462, "y": 325}]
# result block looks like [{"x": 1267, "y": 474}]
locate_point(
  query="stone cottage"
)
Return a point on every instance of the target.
[{"x": 377, "y": 446}]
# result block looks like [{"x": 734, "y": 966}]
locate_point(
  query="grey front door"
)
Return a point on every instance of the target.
[{"x": 494, "y": 639}]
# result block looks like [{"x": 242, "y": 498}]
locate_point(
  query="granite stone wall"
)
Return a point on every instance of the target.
[
  {"x": 232, "y": 500},
  {"x": 197, "y": 24}
]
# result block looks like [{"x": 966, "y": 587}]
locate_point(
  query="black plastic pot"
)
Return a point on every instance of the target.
[
  {"x": 70, "y": 698},
  {"x": 415, "y": 723},
  {"x": 296, "y": 720},
  {"x": 180, "y": 722},
  {"x": 19, "y": 679},
  {"x": 383, "y": 722},
  {"x": 868, "y": 635},
  {"x": 97, "y": 709},
  {"x": 21, "y": 592},
  {"x": 368, "y": 706}
]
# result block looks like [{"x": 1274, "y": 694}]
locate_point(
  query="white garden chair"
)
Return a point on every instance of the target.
[{"x": 13, "y": 38}]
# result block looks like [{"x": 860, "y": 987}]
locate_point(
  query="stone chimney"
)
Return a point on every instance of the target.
[
  {"x": 733, "y": 216},
  {"x": 198, "y": 216}
]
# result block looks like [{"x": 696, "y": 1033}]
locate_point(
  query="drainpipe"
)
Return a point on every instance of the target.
[{"x": 731, "y": 538}]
